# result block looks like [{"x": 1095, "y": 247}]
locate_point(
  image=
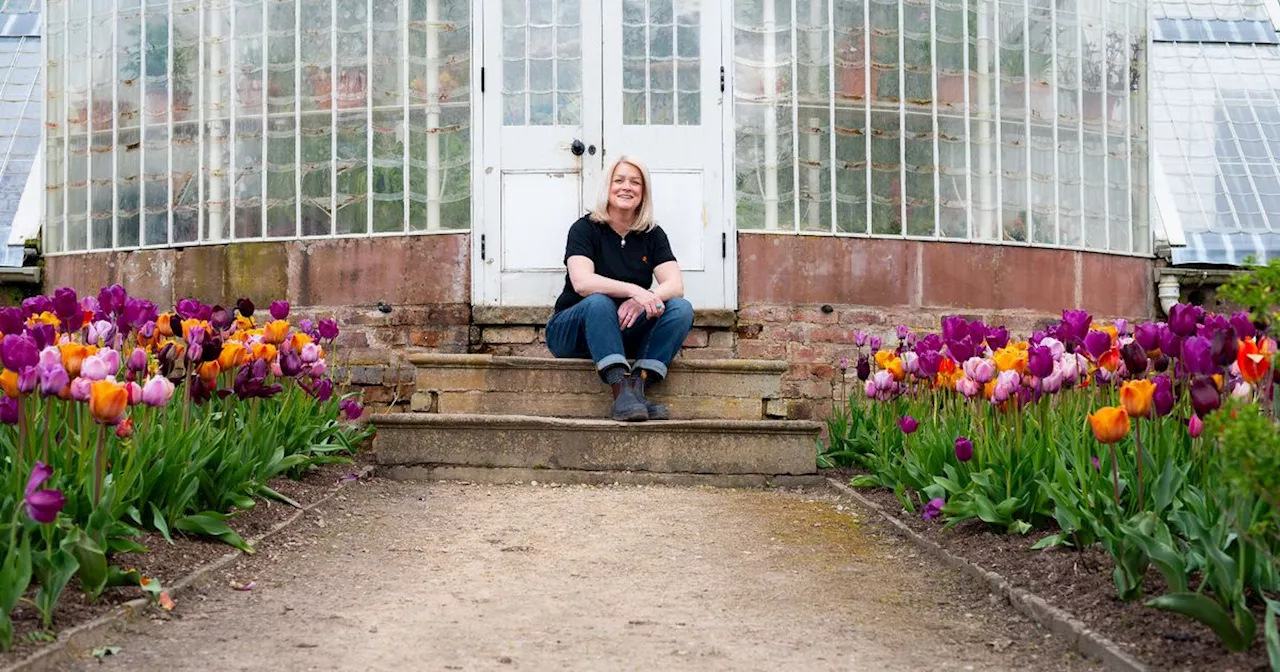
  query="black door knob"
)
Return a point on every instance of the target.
[
  {"x": 591, "y": 150},
  {"x": 577, "y": 148}
]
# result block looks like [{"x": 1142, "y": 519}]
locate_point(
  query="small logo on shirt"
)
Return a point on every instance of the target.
[{"x": 644, "y": 259}]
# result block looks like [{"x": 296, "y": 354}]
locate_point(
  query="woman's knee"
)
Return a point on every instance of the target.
[
  {"x": 679, "y": 307},
  {"x": 599, "y": 301}
]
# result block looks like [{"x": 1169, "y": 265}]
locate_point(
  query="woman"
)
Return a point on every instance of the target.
[{"x": 609, "y": 309}]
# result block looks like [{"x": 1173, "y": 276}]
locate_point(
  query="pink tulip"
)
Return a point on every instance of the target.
[
  {"x": 1195, "y": 427},
  {"x": 135, "y": 393},
  {"x": 275, "y": 368},
  {"x": 310, "y": 353},
  {"x": 910, "y": 362},
  {"x": 157, "y": 392},
  {"x": 981, "y": 370},
  {"x": 112, "y": 360},
  {"x": 1052, "y": 383},
  {"x": 50, "y": 356},
  {"x": 884, "y": 382},
  {"x": 80, "y": 387},
  {"x": 318, "y": 369},
  {"x": 870, "y": 389},
  {"x": 1056, "y": 348},
  {"x": 968, "y": 387},
  {"x": 1242, "y": 391}
]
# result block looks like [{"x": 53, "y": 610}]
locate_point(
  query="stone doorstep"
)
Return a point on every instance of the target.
[
  {"x": 501, "y": 475},
  {"x": 768, "y": 447},
  {"x": 595, "y": 404},
  {"x": 444, "y": 360},
  {"x": 537, "y": 316}
]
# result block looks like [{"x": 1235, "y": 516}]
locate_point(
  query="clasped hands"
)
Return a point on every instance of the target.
[{"x": 644, "y": 302}]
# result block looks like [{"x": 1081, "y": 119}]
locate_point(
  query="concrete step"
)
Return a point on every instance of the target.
[
  {"x": 511, "y": 447},
  {"x": 722, "y": 389}
]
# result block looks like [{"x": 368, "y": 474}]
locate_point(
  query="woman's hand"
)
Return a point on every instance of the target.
[
  {"x": 628, "y": 313},
  {"x": 653, "y": 306}
]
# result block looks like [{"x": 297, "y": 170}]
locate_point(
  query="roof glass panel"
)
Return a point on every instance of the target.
[{"x": 21, "y": 89}]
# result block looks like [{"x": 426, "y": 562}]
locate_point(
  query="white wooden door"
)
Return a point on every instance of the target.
[{"x": 638, "y": 77}]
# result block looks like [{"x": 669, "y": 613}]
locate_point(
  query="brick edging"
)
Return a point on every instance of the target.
[
  {"x": 1034, "y": 607},
  {"x": 82, "y": 637}
]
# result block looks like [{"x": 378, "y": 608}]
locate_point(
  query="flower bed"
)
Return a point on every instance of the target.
[
  {"x": 121, "y": 420},
  {"x": 1155, "y": 443}
]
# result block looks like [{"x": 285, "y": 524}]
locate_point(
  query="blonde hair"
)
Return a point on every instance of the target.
[{"x": 644, "y": 214}]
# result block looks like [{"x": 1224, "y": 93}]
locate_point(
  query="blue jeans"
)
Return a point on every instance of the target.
[{"x": 590, "y": 329}]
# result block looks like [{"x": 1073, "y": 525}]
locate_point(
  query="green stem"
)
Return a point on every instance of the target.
[
  {"x": 99, "y": 466},
  {"x": 1137, "y": 439},
  {"x": 1115, "y": 472}
]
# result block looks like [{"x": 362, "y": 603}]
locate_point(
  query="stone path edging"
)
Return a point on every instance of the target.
[
  {"x": 85, "y": 636},
  {"x": 1057, "y": 621}
]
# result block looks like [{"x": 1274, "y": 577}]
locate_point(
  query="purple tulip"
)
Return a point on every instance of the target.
[
  {"x": 1205, "y": 397},
  {"x": 1135, "y": 358},
  {"x": 931, "y": 342},
  {"x": 1160, "y": 363},
  {"x": 52, "y": 378},
  {"x": 997, "y": 338},
  {"x": 1097, "y": 464},
  {"x": 28, "y": 380},
  {"x": 964, "y": 449},
  {"x": 279, "y": 310},
  {"x": 859, "y": 339},
  {"x": 290, "y": 363},
  {"x": 307, "y": 326},
  {"x": 111, "y": 300},
  {"x": 961, "y": 351},
  {"x": 11, "y": 321},
  {"x": 954, "y": 328},
  {"x": 1170, "y": 343},
  {"x": 1243, "y": 325},
  {"x": 221, "y": 318},
  {"x": 138, "y": 312},
  {"x": 36, "y": 305},
  {"x": 934, "y": 508},
  {"x": 1163, "y": 399},
  {"x": 147, "y": 330},
  {"x": 311, "y": 354},
  {"x": 1197, "y": 356},
  {"x": 901, "y": 330},
  {"x": 1147, "y": 335},
  {"x": 137, "y": 360},
  {"x": 863, "y": 368},
  {"x": 1052, "y": 383},
  {"x": 101, "y": 332},
  {"x": 844, "y": 364},
  {"x": 167, "y": 358},
  {"x": 19, "y": 352},
  {"x": 65, "y": 303},
  {"x": 318, "y": 369},
  {"x": 1224, "y": 346},
  {"x": 908, "y": 424},
  {"x": 80, "y": 388},
  {"x": 1040, "y": 361},
  {"x": 188, "y": 308},
  {"x": 1097, "y": 343},
  {"x": 42, "y": 505},
  {"x": 351, "y": 408},
  {"x": 884, "y": 382},
  {"x": 981, "y": 371},
  {"x": 157, "y": 392},
  {"x": 875, "y": 342},
  {"x": 1074, "y": 326},
  {"x": 1183, "y": 318},
  {"x": 8, "y": 411},
  {"x": 323, "y": 390},
  {"x": 245, "y": 306},
  {"x": 928, "y": 363},
  {"x": 1122, "y": 327}
]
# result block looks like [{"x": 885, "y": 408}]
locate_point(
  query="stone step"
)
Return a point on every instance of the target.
[
  {"x": 438, "y": 445},
  {"x": 720, "y": 389}
]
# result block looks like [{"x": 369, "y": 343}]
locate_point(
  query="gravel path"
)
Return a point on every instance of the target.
[{"x": 418, "y": 576}]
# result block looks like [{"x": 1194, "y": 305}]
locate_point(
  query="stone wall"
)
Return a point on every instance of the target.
[{"x": 802, "y": 298}]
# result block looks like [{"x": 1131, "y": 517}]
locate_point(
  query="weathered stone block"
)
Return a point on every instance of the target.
[
  {"x": 697, "y": 338},
  {"x": 259, "y": 271},
  {"x": 720, "y": 339},
  {"x": 503, "y": 335}
]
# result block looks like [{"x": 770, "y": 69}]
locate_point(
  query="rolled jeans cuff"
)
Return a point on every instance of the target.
[
  {"x": 652, "y": 365},
  {"x": 610, "y": 360}
]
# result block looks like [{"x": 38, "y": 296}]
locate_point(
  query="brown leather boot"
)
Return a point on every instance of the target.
[{"x": 627, "y": 407}]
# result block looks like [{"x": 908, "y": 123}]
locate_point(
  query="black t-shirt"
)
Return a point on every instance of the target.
[{"x": 633, "y": 262}]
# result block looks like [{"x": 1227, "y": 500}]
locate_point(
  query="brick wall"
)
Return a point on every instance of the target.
[{"x": 802, "y": 298}]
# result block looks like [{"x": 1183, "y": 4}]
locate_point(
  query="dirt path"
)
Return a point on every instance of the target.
[{"x": 410, "y": 576}]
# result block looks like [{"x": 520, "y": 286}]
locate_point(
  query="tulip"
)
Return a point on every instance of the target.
[
  {"x": 859, "y": 339},
  {"x": 19, "y": 352},
  {"x": 934, "y": 508},
  {"x": 895, "y": 368},
  {"x": 1097, "y": 343},
  {"x": 135, "y": 393},
  {"x": 36, "y": 305},
  {"x": 864, "y": 367},
  {"x": 11, "y": 322},
  {"x": 1074, "y": 326},
  {"x": 870, "y": 389},
  {"x": 1040, "y": 361},
  {"x": 80, "y": 389},
  {"x": 962, "y": 350},
  {"x": 1160, "y": 363},
  {"x": 964, "y": 449},
  {"x": 1163, "y": 399},
  {"x": 928, "y": 363},
  {"x": 1147, "y": 335},
  {"x": 9, "y": 383},
  {"x": 910, "y": 363},
  {"x": 124, "y": 430},
  {"x": 997, "y": 338},
  {"x": 1224, "y": 346},
  {"x": 188, "y": 308},
  {"x": 311, "y": 354},
  {"x": 28, "y": 380},
  {"x": 42, "y": 506},
  {"x": 1170, "y": 343},
  {"x": 1205, "y": 397},
  {"x": 1183, "y": 319},
  {"x": 157, "y": 392},
  {"x": 8, "y": 411},
  {"x": 1056, "y": 347},
  {"x": 279, "y": 310},
  {"x": 1122, "y": 327},
  {"x": 1010, "y": 359},
  {"x": 290, "y": 364},
  {"x": 112, "y": 359},
  {"x": 969, "y": 387},
  {"x": 1052, "y": 383},
  {"x": 275, "y": 332},
  {"x": 982, "y": 371},
  {"x": 875, "y": 342},
  {"x": 324, "y": 390},
  {"x": 1252, "y": 360},
  {"x": 137, "y": 362},
  {"x": 1195, "y": 426},
  {"x": 1197, "y": 356},
  {"x": 245, "y": 306},
  {"x": 52, "y": 378},
  {"x": 138, "y": 313},
  {"x": 101, "y": 333},
  {"x": 233, "y": 355},
  {"x": 94, "y": 367},
  {"x": 908, "y": 424},
  {"x": 108, "y": 401},
  {"x": 1110, "y": 424},
  {"x": 901, "y": 330},
  {"x": 1243, "y": 325},
  {"x": 208, "y": 373},
  {"x": 844, "y": 364},
  {"x": 1135, "y": 358},
  {"x": 221, "y": 318},
  {"x": 319, "y": 368},
  {"x": 351, "y": 408},
  {"x": 884, "y": 382},
  {"x": 73, "y": 355},
  {"x": 65, "y": 304},
  {"x": 111, "y": 300},
  {"x": 1136, "y": 397}
]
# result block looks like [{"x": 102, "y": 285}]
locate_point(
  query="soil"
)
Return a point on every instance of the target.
[
  {"x": 1080, "y": 583},
  {"x": 392, "y": 576},
  {"x": 170, "y": 562}
]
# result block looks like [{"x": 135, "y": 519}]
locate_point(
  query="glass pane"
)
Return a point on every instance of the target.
[
  {"x": 542, "y": 63},
  {"x": 661, "y": 65}
]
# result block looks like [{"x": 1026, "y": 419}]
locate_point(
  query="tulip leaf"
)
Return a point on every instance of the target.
[
  {"x": 1210, "y": 613},
  {"x": 1049, "y": 542},
  {"x": 1273, "y": 633},
  {"x": 157, "y": 519},
  {"x": 865, "y": 481},
  {"x": 211, "y": 524},
  {"x": 92, "y": 562},
  {"x": 54, "y": 570},
  {"x": 267, "y": 491}
]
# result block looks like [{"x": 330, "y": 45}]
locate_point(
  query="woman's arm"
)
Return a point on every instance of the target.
[
  {"x": 670, "y": 281},
  {"x": 585, "y": 280}
]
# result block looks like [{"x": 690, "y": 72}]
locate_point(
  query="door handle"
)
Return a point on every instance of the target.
[
  {"x": 578, "y": 148},
  {"x": 591, "y": 149}
]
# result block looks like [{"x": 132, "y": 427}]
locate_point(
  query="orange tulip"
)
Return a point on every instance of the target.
[
  {"x": 275, "y": 332},
  {"x": 1136, "y": 396},
  {"x": 44, "y": 318},
  {"x": 107, "y": 401},
  {"x": 233, "y": 355},
  {"x": 895, "y": 368},
  {"x": 300, "y": 339},
  {"x": 164, "y": 325},
  {"x": 208, "y": 372},
  {"x": 882, "y": 358},
  {"x": 9, "y": 383},
  {"x": 243, "y": 323},
  {"x": 947, "y": 366},
  {"x": 73, "y": 355},
  {"x": 1011, "y": 359},
  {"x": 1110, "y": 360},
  {"x": 1110, "y": 424},
  {"x": 187, "y": 324},
  {"x": 1253, "y": 361},
  {"x": 264, "y": 351}
]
